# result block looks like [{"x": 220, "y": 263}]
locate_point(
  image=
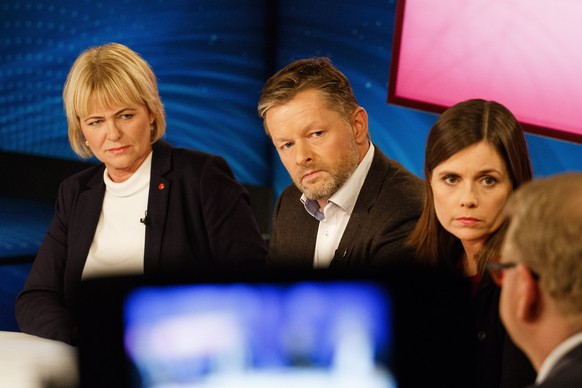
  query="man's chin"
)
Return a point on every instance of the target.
[{"x": 312, "y": 194}]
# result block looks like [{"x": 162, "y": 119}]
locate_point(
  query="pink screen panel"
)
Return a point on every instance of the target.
[{"x": 525, "y": 54}]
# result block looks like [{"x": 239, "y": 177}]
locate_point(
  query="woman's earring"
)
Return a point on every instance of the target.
[{"x": 87, "y": 143}]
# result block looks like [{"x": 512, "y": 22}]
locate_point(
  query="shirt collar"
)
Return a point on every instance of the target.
[
  {"x": 137, "y": 181},
  {"x": 556, "y": 354},
  {"x": 347, "y": 195}
]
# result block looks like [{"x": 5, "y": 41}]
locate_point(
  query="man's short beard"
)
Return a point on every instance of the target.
[{"x": 337, "y": 176}]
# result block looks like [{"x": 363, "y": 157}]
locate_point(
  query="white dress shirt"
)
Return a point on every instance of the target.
[{"x": 336, "y": 213}]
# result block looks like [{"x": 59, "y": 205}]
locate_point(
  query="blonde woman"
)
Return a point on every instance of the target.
[{"x": 147, "y": 208}]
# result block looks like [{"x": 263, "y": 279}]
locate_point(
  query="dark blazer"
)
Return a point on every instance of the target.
[
  {"x": 567, "y": 372},
  {"x": 498, "y": 362},
  {"x": 386, "y": 210},
  {"x": 198, "y": 215}
]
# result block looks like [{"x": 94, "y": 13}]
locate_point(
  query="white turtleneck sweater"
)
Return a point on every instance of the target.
[{"x": 118, "y": 244}]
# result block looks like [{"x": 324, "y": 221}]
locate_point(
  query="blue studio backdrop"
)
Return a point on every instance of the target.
[{"x": 211, "y": 59}]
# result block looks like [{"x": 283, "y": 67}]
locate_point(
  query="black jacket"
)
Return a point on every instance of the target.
[
  {"x": 385, "y": 212},
  {"x": 198, "y": 215},
  {"x": 498, "y": 361}
]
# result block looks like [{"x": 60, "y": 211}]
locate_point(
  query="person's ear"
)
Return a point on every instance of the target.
[
  {"x": 360, "y": 125},
  {"x": 530, "y": 301}
]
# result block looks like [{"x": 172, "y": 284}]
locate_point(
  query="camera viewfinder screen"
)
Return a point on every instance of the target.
[{"x": 303, "y": 334}]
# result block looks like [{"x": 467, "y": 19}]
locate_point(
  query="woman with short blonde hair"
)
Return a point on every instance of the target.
[{"x": 147, "y": 208}]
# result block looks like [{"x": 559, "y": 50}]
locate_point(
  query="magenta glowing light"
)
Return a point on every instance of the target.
[{"x": 522, "y": 53}]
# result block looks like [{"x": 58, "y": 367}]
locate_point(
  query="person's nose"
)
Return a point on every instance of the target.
[
  {"x": 303, "y": 153},
  {"x": 113, "y": 132},
  {"x": 469, "y": 196}
]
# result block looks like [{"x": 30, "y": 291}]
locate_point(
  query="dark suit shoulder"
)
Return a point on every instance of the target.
[
  {"x": 392, "y": 188},
  {"x": 395, "y": 174},
  {"x": 294, "y": 231},
  {"x": 164, "y": 151},
  {"x": 192, "y": 155},
  {"x": 387, "y": 208},
  {"x": 567, "y": 372},
  {"x": 167, "y": 158},
  {"x": 89, "y": 177},
  {"x": 183, "y": 158}
]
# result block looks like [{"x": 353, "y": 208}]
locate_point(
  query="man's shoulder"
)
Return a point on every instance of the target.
[
  {"x": 393, "y": 178},
  {"x": 393, "y": 167},
  {"x": 567, "y": 371},
  {"x": 570, "y": 377}
]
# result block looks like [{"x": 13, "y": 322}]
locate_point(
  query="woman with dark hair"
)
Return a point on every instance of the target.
[{"x": 476, "y": 155}]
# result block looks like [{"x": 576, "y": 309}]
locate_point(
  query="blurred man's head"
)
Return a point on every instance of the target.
[{"x": 544, "y": 242}]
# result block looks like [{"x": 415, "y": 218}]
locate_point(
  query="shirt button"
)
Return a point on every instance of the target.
[{"x": 481, "y": 335}]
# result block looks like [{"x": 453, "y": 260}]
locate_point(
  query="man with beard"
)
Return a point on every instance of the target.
[{"x": 350, "y": 205}]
